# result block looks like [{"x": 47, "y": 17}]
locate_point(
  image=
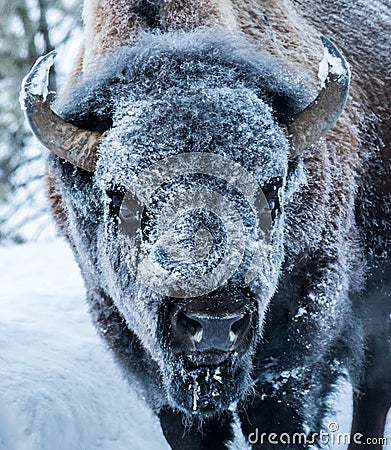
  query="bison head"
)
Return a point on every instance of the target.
[{"x": 180, "y": 156}]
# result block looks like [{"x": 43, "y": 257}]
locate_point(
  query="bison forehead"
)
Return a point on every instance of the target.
[
  {"x": 235, "y": 124},
  {"x": 177, "y": 61}
]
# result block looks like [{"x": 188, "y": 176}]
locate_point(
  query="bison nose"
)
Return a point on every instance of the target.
[
  {"x": 216, "y": 333},
  {"x": 208, "y": 333}
]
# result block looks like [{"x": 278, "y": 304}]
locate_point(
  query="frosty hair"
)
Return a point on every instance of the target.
[{"x": 171, "y": 63}]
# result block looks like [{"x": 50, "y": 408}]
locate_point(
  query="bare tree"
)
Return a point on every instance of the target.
[{"x": 28, "y": 29}]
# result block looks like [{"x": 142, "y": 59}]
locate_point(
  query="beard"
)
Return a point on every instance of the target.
[{"x": 206, "y": 390}]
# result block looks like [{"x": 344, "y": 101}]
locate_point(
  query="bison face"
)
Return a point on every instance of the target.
[
  {"x": 191, "y": 241},
  {"x": 181, "y": 224}
]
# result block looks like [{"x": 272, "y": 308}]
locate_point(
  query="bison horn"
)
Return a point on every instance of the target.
[
  {"x": 75, "y": 145},
  {"x": 322, "y": 114}
]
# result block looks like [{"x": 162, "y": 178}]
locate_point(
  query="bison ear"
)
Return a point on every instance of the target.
[
  {"x": 75, "y": 145},
  {"x": 322, "y": 114}
]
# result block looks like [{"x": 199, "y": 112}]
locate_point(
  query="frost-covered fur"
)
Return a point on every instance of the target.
[
  {"x": 171, "y": 92},
  {"x": 211, "y": 84},
  {"x": 112, "y": 23}
]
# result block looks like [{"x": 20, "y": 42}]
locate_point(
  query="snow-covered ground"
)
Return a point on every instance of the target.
[{"x": 59, "y": 389}]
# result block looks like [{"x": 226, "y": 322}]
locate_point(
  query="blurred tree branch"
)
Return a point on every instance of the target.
[{"x": 28, "y": 29}]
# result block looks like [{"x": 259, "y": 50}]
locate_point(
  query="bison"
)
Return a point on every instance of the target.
[{"x": 230, "y": 217}]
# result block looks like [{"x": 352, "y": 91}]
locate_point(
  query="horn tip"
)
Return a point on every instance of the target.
[
  {"x": 333, "y": 66},
  {"x": 35, "y": 83}
]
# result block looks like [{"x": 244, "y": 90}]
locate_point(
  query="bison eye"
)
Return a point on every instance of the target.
[
  {"x": 116, "y": 196},
  {"x": 271, "y": 191}
]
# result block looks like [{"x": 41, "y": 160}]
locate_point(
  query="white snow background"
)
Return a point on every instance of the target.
[{"x": 59, "y": 389}]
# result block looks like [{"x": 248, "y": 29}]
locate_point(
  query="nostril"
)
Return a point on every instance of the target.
[
  {"x": 187, "y": 325},
  {"x": 198, "y": 335},
  {"x": 239, "y": 327},
  {"x": 186, "y": 332}
]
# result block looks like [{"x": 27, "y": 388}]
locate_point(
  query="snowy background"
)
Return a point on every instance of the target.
[{"x": 59, "y": 388}]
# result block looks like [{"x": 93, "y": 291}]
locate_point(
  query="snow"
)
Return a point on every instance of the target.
[
  {"x": 331, "y": 63},
  {"x": 37, "y": 80},
  {"x": 58, "y": 386}
]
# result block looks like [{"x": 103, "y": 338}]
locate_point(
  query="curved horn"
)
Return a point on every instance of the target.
[
  {"x": 322, "y": 114},
  {"x": 75, "y": 145}
]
